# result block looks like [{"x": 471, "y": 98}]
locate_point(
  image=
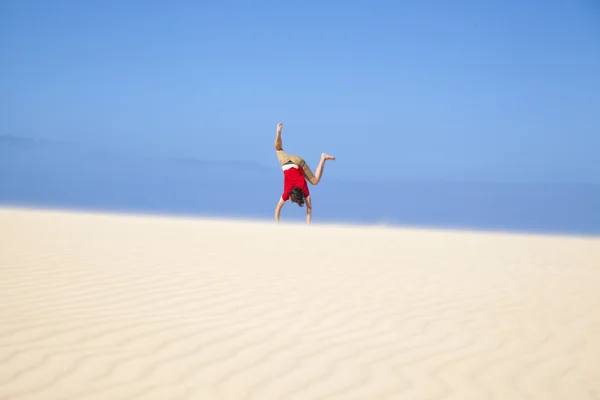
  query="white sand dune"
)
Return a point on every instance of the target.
[{"x": 100, "y": 306}]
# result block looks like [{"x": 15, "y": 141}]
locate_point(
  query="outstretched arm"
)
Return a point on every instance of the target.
[
  {"x": 308, "y": 210},
  {"x": 278, "y": 209}
]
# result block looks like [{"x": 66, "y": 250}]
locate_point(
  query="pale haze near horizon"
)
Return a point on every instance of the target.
[{"x": 420, "y": 91}]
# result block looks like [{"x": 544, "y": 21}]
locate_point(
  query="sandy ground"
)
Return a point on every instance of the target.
[{"x": 100, "y": 306}]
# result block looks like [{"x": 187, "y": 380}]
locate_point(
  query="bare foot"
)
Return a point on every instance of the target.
[
  {"x": 325, "y": 156},
  {"x": 279, "y": 127}
]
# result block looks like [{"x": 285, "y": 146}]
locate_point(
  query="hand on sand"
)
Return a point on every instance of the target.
[{"x": 325, "y": 156}]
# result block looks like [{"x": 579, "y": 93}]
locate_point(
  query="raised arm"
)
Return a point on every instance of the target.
[
  {"x": 308, "y": 210},
  {"x": 278, "y": 209}
]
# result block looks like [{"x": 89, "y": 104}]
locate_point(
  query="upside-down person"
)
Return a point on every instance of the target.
[{"x": 296, "y": 173}]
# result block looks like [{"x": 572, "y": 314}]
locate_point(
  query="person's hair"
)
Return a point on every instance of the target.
[{"x": 297, "y": 196}]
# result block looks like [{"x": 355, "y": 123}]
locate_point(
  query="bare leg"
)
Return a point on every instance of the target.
[
  {"x": 278, "y": 141},
  {"x": 319, "y": 172}
]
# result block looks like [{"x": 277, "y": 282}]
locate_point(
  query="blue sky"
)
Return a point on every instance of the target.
[{"x": 463, "y": 90}]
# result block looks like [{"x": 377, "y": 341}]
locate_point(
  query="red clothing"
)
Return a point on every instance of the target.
[{"x": 294, "y": 177}]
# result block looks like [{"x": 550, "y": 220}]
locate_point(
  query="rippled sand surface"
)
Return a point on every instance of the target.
[{"x": 101, "y": 306}]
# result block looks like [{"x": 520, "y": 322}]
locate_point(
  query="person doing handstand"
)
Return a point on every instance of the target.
[{"x": 296, "y": 173}]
